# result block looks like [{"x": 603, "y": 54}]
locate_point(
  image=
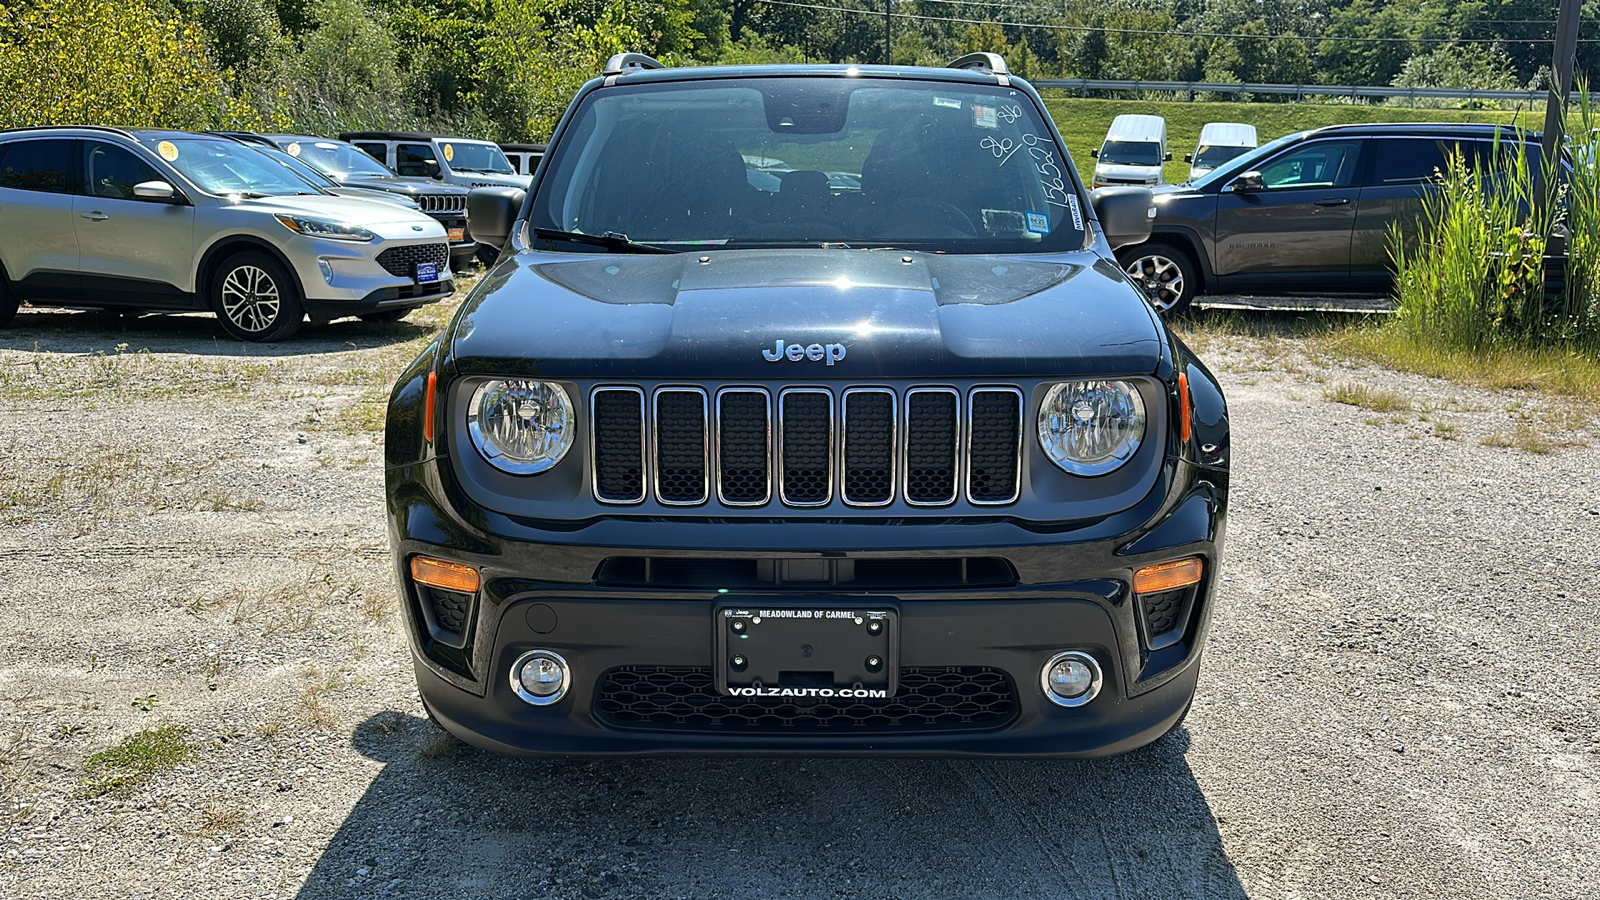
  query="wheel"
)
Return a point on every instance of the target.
[
  {"x": 8, "y": 302},
  {"x": 487, "y": 255},
  {"x": 1165, "y": 273},
  {"x": 388, "y": 315},
  {"x": 255, "y": 298}
]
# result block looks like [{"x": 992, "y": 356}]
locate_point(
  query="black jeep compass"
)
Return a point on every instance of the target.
[{"x": 807, "y": 411}]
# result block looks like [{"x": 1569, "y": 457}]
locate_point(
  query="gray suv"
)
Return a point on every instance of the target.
[
  {"x": 1307, "y": 213},
  {"x": 145, "y": 220}
]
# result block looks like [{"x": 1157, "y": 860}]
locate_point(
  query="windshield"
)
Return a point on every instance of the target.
[
  {"x": 336, "y": 159},
  {"x": 1210, "y": 157},
  {"x": 961, "y": 168},
  {"x": 297, "y": 167},
  {"x": 465, "y": 156},
  {"x": 1244, "y": 161},
  {"x": 1131, "y": 153},
  {"x": 219, "y": 166}
]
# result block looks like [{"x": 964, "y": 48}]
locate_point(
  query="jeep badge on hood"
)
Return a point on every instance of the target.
[{"x": 831, "y": 352}]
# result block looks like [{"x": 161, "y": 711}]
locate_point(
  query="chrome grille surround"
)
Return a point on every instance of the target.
[{"x": 693, "y": 433}]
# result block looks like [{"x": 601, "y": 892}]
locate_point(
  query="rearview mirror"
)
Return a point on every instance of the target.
[
  {"x": 155, "y": 190},
  {"x": 1247, "y": 182},
  {"x": 1126, "y": 214},
  {"x": 491, "y": 211}
]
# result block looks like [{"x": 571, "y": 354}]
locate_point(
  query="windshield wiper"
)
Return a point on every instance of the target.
[{"x": 611, "y": 240}]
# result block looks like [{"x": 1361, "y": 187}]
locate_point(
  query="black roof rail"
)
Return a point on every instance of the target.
[
  {"x": 122, "y": 131},
  {"x": 620, "y": 63},
  {"x": 983, "y": 62}
]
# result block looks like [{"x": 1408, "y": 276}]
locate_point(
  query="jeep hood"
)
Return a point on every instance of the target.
[{"x": 722, "y": 314}]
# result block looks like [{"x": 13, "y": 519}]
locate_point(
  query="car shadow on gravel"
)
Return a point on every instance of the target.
[
  {"x": 199, "y": 334},
  {"x": 445, "y": 820}
]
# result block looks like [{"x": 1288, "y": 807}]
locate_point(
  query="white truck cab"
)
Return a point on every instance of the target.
[
  {"x": 1134, "y": 149},
  {"x": 1219, "y": 142}
]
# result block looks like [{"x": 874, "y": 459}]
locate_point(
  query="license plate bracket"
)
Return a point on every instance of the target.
[
  {"x": 819, "y": 652},
  {"x": 427, "y": 273}
]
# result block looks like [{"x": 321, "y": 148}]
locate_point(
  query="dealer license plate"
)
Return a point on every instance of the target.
[
  {"x": 457, "y": 235},
  {"x": 797, "y": 652},
  {"x": 427, "y": 273}
]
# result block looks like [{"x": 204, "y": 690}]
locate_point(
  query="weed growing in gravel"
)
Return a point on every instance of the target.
[
  {"x": 139, "y": 758},
  {"x": 1528, "y": 439},
  {"x": 1367, "y": 398}
]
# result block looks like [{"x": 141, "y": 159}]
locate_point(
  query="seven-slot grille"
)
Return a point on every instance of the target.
[
  {"x": 401, "y": 262},
  {"x": 436, "y": 203},
  {"x": 806, "y": 446}
]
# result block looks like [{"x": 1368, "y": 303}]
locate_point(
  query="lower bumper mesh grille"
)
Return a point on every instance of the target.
[
  {"x": 402, "y": 262},
  {"x": 683, "y": 698}
]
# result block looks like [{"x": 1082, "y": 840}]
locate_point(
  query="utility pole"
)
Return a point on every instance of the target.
[
  {"x": 1566, "y": 48},
  {"x": 888, "y": 37}
]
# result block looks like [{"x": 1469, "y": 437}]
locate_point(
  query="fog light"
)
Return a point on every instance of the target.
[
  {"x": 540, "y": 677},
  {"x": 327, "y": 270},
  {"x": 1071, "y": 678}
]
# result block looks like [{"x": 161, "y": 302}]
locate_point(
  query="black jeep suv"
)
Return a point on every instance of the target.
[
  {"x": 877, "y": 452},
  {"x": 1307, "y": 213}
]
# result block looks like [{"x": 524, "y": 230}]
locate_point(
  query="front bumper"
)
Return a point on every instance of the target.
[{"x": 544, "y": 587}]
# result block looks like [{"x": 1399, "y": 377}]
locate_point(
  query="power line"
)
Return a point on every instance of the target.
[{"x": 1165, "y": 33}]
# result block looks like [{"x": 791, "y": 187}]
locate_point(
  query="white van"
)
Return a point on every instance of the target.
[
  {"x": 1133, "y": 152},
  {"x": 1219, "y": 142}
]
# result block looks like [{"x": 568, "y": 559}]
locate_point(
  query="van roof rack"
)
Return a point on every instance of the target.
[
  {"x": 622, "y": 62},
  {"x": 982, "y": 62}
]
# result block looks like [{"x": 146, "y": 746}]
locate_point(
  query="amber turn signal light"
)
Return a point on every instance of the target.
[
  {"x": 1185, "y": 407},
  {"x": 447, "y": 576},
  {"x": 427, "y": 407},
  {"x": 1162, "y": 576}
]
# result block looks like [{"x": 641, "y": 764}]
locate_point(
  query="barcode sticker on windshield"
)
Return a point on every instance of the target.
[
  {"x": 985, "y": 117},
  {"x": 1077, "y": 214}
]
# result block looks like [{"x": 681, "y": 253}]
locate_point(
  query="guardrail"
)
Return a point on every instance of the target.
[{"x": 1354, "y": 92}]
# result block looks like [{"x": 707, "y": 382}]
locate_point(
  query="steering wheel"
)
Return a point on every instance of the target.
[{"x": 926, "y": 217}]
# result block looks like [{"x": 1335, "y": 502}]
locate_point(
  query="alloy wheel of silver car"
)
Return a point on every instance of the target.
[
  {"x": 1158, "y": 276},
  {"x": 250, "y": 298}
]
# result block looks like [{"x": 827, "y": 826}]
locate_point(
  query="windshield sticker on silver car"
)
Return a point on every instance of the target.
[
  {"x": 985, "y": 117},
  {"x": 1037, "y": 222},
  {"x": 294, "y": 149}
]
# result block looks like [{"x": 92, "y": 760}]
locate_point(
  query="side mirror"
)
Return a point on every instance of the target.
[
  {"x": 1188, "y": 157},
  {"x": 1166, "y": 157},
  {"x": 1247, "y": 183},
  {"x": 491, "y": 211},
  {"x": 1095, "y": 154},
  {"x": 1126, "y": 214},
  {"x": 155, "y": 190}
]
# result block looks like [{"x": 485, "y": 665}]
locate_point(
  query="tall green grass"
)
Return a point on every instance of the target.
[{"x": 1476, "y": 277}]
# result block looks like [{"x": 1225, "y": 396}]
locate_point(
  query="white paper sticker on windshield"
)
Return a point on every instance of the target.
[
  {"x": 449, "y": 153},
  {"x": 947, "y": 103},
  {"x": 1037, "y": 222},
  {"x": 294, "y": 149},
  {"x": 168, "y": 150},
  {"x": 985, "y": 117},
  {"x": 1077, "y": 214}
]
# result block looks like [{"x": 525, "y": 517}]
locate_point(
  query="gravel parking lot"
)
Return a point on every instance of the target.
[{"x": 205, "y": 694}]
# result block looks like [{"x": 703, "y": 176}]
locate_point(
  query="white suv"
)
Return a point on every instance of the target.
[
  {"x": 145, "y": 220},
  {"x": 464, "y": 161}
]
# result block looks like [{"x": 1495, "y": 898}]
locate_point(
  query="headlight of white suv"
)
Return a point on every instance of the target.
[
  {"x": 1091, "y": 427},
  {"x": 521, "y": 427},
  {"x": 322, "y": 228}
]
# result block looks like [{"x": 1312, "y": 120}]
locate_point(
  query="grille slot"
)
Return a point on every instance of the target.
[
  {"x": 681, "y": 446},
  {"x": 401, "y": 262},
  {"x": 744, "y": 421},
  {"x": 617, "y": 436},
  {"x": 868, "y": 447},
  {"x": 805, "y": 446},
  {"x": 894, "y": 574},
  {"x": 684, "y": 698},
  {"x": 932, "y": 425},
  {"x": 994, "y": 444}
]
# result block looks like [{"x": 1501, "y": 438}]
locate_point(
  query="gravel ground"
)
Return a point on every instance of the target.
[{"x": 1399, "y": 697}]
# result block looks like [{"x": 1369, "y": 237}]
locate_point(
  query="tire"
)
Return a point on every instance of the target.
[
  {"x": 386, "y": 316},
  {"x": 488, "y": 255},
  {"x": 460, "y": 261},
  {"x": 1165, "y": 272},
  {"x": 8, "y": 302},
  {"x": 255, "y": 298}
]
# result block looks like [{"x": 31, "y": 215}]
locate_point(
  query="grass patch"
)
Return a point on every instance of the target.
[
  {"x": 1529, "y": 440},
  {"x": 1367, "y": 398},
  {"x": 1553, "y": 370},
  {"x": 139, "y": 758}
]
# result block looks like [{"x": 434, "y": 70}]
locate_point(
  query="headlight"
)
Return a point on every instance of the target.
[
  {"x": 321, "y": 228},
  {"x": 521, "y": 427},
  {"x": 1091, "y": 427}
]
